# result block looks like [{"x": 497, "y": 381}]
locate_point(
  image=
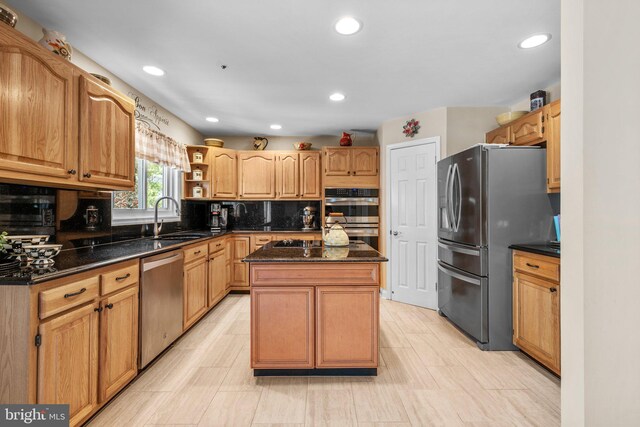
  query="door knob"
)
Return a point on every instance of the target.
[{"x": 395, "y": 233}]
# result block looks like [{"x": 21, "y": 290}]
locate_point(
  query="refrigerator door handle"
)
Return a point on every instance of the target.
[
  {"x": 450, "y": 198},
  {"x": 459, "y": 276},
  {"x": 446, "y": 193},
  {"x": 459, "y": 213}
]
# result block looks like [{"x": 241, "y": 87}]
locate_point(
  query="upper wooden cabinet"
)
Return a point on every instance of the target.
[
  {"x": 351, "y": 167},
  {"x": 59, "y": 126},
  {"x": 224, "y": 176},
  {"x": 107, "y": 138},
  {"x": 256, "y": 175},
  {"x": 310, "y": 187},
  {"x": 287, "y": 175},
  {"x": 501, "y": 135},
  {"x": 553, "y": 146},
  {"x": 529, "y": 129},
  {"x": 36, "y": 111}
]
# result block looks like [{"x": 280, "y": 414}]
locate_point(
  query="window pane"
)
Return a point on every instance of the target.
[
  {"x": 129, "y": 199},
  {"x": 155, "y": 184}
]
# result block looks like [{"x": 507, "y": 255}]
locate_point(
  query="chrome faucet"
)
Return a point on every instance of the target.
[{"x": 157, "y": 228}]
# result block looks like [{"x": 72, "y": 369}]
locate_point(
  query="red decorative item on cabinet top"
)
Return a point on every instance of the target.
[{"x": 346, "y": 140}]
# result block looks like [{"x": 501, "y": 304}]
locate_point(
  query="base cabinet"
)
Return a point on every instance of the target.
[
  {"x": 536, "y": 311},
  {"x": 347, "y": 332},
  {"x": 194, "y": 291},
  {"x": 240, "y": 270},
  {"x": 217, "y": 277},
  {"x": 68, "y": 361},
  {"x": 282, "y": 325}
]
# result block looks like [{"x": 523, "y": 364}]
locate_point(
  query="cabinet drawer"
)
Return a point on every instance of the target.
[
  {"x": 284, "y": 274},
  {"x": 195, "y": 252},
  {"x": 216, "y": 246},
  {"x": 261, "y": 239},
  {"x": 301, "y": 236},
  {"x": 64, "y": 297},
  {"x": 540, "y": 266},
  {"x": 119, "y": 279}
]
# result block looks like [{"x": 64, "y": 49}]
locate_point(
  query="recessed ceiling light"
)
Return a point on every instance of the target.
[
  {"x": 337, "y": 97},
  {"x": 212, "y": 119},
  {"x": 534, "y": 41},
  {"x": 348, "y": 25},
  {"x": 154, "y": 71},
  {"x": 276, "y": 127}
]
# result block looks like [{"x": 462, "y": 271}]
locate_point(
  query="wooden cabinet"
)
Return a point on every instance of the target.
[
  {"x": 287, "y": 176},
  {"x": 198, "y": 167},
  {"x": 217, "y": 277},
  {"x": 351, "y": 167},
  {"x": 68, "y": 361},
  {"x": 282, "y": 327},
  {"x": 256, "y": 175},
  {"x": 501, "y": 135},
  {"x": 240, "y": 270},
  {"x": 36, "y": 111},
  {"x": 107, "y": 139},
  {"x": 528, "y": 129},
  {"x": 347, "y": 326},
  {"x": 310, "y": 185},
  {"x": 259, "y": 240},
  {"x": 536, "y": 308},
  {"x": 194, "y": 290},
  {"x": 228, "y": 255},
  {"x": 118, "y": 342},
  {"x": 552, "y": 114},
  {"x": 224, "y": 175}
]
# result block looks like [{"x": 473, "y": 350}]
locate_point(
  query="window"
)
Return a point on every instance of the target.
[{"x": 152, "y": 181}]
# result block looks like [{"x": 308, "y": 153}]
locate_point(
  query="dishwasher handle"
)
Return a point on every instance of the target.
[{"x": 151, "y": 264}]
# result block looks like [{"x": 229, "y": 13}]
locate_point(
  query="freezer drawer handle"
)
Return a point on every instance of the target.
[
  {"x": 533, "y": 265},
  {"x": 452, "y": 273},
  {"x": 459, "y": 250}
]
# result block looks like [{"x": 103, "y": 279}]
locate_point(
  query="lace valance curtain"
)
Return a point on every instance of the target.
[{"x": 156, "y": 147}]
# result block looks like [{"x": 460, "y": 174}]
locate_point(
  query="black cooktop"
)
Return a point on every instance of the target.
[{"x": 291, "y": 243}]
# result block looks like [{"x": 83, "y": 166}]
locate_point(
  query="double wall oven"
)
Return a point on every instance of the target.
[{"x": 360, "y": 209}]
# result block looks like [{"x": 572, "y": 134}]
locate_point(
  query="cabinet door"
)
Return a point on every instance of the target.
[
  {"x": 287, "y": 176},
  {"x": 36, "y": 103},
  {"x": 195, "y": 291},
  {"x": 536, "y": 319},
  {"x": 118, "y": 342},
  {"x": 240, "y": 269},
  {"x": 225, "y": 173},
  {"x": 217, "y": 278},
  {"x": 337, "y": 161},
  {"x": 228, "y": 250},
  {"x": 553, "y": 147},
  {"x": 310, "y": 186},
  {"x": 501, "y": 135},
  {"x": 529, "y": 129},
  {"x": 282, "y": 325},
  {"x": 256, "y": 173},
  {"x": 347, "y": 326},
  {"x": 364, "y": 161},
  {"x": 68, "y": 362},
  {"x": 107, "y": 141}
]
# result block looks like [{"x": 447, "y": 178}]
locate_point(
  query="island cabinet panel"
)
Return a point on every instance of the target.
[
  {"x": 320, "y": 274},
  {"x": 68, "y": 362},
  {"x": 282, "y": 328},
  {"x": 118, "y": 342},
  {"x": 256, "y": 174},
  {"x": 287, "y": 176},
  {"x": 194, "y": 291},
  {"x": 225, "y": 175},
  {"x": 347, "y": 326},
  {"x": 107, "y": 140},
  {"x": 310, "y": 186},
  {"x": 37, "y": 108}
]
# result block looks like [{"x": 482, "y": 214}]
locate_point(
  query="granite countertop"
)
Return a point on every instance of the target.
[
  {"x": 357, "y": 251},
  {"x": 538, "y": 248},
  {"x": 72, "y": 261}
]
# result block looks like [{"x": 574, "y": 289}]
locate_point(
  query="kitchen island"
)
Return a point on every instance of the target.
[{"x": 314, "y": 309}]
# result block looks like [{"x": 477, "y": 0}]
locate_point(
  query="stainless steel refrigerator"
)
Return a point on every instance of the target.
[{"x": 489, "y": 197}]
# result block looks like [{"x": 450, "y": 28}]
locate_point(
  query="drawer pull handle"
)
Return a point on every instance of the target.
[
  {"x": 533, "y": 265},
  {"x": 73, "y": 294},
  {"x": 99, "y": 309},
  {"x": 125, "y": 277},
  {"x": 553, "y": 289},
  {"x": 109, "y": 306},
  {"x": 197, "y": 252}
]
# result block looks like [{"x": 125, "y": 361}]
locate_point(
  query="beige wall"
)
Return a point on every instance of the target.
[
  {"x": 286, "y": 142},
  {"x": 163, "y": 120},
  {"x": 601, "y": 220},
  {"x": 524, "y": 104},
  {"x": 467, "y": 126}
]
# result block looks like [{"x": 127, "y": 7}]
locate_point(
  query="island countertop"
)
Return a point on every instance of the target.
[{"x": 357, "y": 251}]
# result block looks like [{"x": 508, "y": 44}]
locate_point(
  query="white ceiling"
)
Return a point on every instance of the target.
[{"x": 284, "y": 58}]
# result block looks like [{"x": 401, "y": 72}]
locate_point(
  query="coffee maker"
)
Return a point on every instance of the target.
[{"x": 218, "y": 217}]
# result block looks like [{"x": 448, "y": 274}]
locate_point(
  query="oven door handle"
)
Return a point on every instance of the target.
[{"x": 345, "y": 201}]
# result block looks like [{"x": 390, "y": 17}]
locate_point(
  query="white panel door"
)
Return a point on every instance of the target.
[{"x": 413, "y": 225}]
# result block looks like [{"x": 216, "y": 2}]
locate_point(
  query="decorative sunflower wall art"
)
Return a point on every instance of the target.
[{"x": 411, "y": 128}]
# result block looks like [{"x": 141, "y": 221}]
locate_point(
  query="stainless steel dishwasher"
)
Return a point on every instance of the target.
[{"x": 160, "y": 304}]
